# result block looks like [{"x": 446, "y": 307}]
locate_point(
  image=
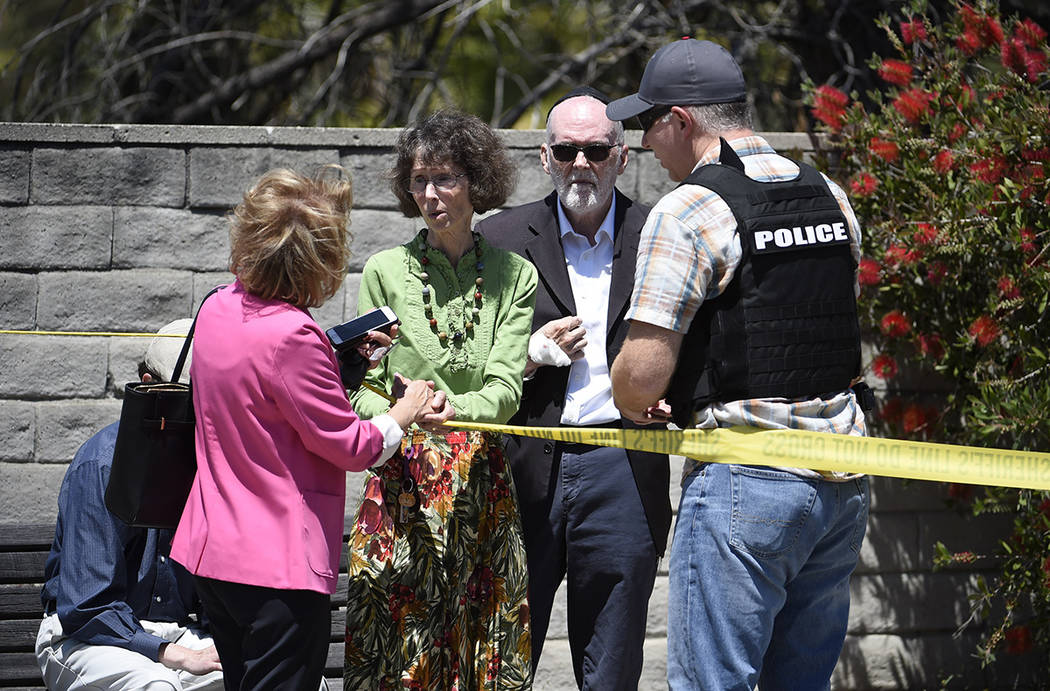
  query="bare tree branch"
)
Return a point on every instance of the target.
[
  {"x": 387, "y": 14},
  {"x": 576, "y": 64},
  {"x": 384, "y": 62}
]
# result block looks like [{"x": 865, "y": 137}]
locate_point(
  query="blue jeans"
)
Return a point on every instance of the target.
[{"x": 759, "y": 578}]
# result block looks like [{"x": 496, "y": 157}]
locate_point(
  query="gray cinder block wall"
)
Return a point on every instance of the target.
[{"x": 122, "y": 229}]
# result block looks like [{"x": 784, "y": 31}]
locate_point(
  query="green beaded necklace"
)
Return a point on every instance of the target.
[{"x": 428, "y": 306}]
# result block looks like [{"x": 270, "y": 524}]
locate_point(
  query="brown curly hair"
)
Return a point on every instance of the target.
[
  {"x": 288, "y": 237},
  {"x": 461, "y": 139}
]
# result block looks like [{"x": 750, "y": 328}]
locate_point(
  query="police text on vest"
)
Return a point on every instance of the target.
[{"x": 823, "y": 234}]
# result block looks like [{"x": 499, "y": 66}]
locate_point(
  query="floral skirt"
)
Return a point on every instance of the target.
[{"x": 437, "y": 591}]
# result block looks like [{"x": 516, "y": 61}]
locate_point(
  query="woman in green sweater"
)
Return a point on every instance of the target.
[{"x": 438, "y": 584}]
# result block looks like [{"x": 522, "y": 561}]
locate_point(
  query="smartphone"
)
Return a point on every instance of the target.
[{"x": 350, "y": 334}]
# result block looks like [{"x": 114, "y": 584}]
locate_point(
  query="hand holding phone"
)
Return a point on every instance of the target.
[
  {"x": 351, "y": 334},
  {"x": 356, "y": 350},
  {"x": 376, "y": 344}
]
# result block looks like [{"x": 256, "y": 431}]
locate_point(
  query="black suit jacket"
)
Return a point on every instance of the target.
[{"x": 531, "y": 230}]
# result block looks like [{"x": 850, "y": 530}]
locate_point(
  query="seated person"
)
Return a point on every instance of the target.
[{"x": 117, "y": 609}]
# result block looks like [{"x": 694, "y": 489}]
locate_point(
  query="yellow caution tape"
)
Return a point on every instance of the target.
[
  {"x": 816, "y": 450},
  {"x": 376, "y": 389},
  {"x": 784, "y": 448},
  {"x": 131, "y": 334}
]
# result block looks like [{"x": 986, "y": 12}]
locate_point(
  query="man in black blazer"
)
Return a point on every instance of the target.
[{"x": 596, "y": 514}]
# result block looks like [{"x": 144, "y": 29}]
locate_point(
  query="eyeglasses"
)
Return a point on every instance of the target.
[
  {"x": 648, "y": 118},
  {"x": 442, "y": 181},
  {"x": 592, "y": 152}
]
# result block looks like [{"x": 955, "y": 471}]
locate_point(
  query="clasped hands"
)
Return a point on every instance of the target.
[
  {"x": 416, "y": 400},
  {"x": 432, "y": 408}
]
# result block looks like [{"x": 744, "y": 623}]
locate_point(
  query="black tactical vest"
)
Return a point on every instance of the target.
[{"x": 786, "y": 326}]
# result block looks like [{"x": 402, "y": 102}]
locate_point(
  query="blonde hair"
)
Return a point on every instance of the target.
[{"x": 289, "y": 237}]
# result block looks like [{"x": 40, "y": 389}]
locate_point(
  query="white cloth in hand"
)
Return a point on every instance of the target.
[{"x": 544, "y": 351}]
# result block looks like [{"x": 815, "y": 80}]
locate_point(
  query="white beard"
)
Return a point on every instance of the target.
[{"x": 579, "y": 198}]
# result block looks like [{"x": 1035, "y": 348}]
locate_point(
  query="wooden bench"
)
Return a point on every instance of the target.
[{"x": 23, "y": 550}]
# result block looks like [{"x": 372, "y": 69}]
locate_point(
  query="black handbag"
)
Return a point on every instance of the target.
[{"x": 154, "y": 458}]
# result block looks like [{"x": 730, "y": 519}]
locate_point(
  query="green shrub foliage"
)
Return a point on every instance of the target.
[{"x": 948, "y": 171}]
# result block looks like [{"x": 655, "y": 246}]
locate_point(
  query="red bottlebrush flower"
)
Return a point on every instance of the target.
[
  {"x": 936, "y": 273},
  {"x": 900, "y": 256},
  {"x": 886, "y": 150},
  {"x": 868, "y": 272},
  {"x": 1044, "y": 508},
  {"x": 896, "y": 72},
  {"x": 1034, "y": 172},
  {"x": 1008, "y": 290},
  {"x": 957, "y": 132},
  {"x": 991, "y": 31},
  {"x": 985, "y": 29},
  {"x": 913, "y": 104},
  {"x": 925, "y": 234},
  {"x": 913, "y": 419},
  {"x": 1028, "y": 241},
  {"x": 892, "y": 409},
  {"x": 971, "y": 20},
  {"x": 969, "y": 42},
  {"x": 944, "y": 161},
  {"x": 1042, "y": 154},
  {"x": 959, "y": 491},
  {"x": 831, "y": 95},
  {"x": 895, "y": 324},
  {"x": 864, "y": 185},
  {"x": 913, "y": 31},
  {"x": 1034, "y": 65},
  {"x": 1018, "y": 640},
  {"x": 884, "y": 367},
  {"x": 1012, "y": 53},
  {"x": 984, "y": 330},
  {"x": 829, "y": 106},
  {"x": 930, "y": 344},
  {"x": 990, "y": 170},
  {"x": 1030, "y": 33}
]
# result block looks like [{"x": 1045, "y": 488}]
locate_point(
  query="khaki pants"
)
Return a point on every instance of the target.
[{"x": 69, "y": 664}]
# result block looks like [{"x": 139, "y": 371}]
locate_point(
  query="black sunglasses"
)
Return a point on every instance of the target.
[
  {"x": 592, "y": 152},
  {"x": 648, "y": 118}
]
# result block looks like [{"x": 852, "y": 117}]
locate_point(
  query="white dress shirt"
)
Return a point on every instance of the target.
[{"x": 588, "y": 398}]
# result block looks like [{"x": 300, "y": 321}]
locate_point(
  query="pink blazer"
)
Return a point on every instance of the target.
[{"x": 275, "y": 437}]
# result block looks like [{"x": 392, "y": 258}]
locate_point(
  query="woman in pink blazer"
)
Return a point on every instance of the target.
[{"x": 262, "y": 528}]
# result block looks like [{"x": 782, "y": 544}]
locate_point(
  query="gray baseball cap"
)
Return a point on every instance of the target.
[{"x": 686, "y": 72}]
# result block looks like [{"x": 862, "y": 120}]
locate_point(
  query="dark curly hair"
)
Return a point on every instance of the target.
[{"x": 451, "y": 136}]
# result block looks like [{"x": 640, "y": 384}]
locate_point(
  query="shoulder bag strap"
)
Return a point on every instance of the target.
[{"x": 184, "y": 353}]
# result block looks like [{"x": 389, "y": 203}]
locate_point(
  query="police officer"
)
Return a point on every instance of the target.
[{"x": 744, "y": 313}]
